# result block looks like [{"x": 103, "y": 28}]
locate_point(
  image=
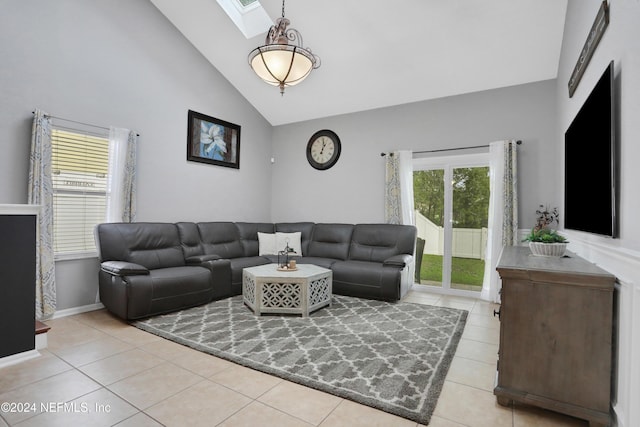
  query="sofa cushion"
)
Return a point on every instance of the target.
[
  {"x": 272, "y": 243},
  {"x": 321, "y": 262},
  {"x": 248, "y": 232},
  {"x": 365, "y": 279},
  {"x": 190, "y": 238},
  {"x": 305, "y": 229},
  {"x": 152, "y": 245},
  {"x": 168, "y": 289},
  {"x": 330, "y": 241},
  {"x": 293, "y": 240},
  {"x": 221, "y": 238},
  {"x": 378, "y": 242},
  {"x": 237, "y": 264},
  {"x": 266, "y": 244}
]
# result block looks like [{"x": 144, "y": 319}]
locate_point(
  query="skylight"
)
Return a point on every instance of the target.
[
  {"x": 246, "y": 3},
  {"x": 248, "y": 15}
]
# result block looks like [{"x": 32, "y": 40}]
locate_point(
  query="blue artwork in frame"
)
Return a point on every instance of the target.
[{"x": 213, "y": 141}]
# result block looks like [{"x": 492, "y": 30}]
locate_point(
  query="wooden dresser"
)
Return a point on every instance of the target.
[{"x": 556, "y": 326}]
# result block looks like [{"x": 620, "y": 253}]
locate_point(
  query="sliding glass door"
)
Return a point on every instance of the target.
[
  {"x": 452, "y": 204},
  {"x": 428, "y": 195}
]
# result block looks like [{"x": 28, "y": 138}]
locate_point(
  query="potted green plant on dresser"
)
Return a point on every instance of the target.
[{"x": 544, "y": 241}]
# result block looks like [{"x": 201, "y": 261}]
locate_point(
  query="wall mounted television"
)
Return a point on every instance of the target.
[{"x": 590, "y": 163}]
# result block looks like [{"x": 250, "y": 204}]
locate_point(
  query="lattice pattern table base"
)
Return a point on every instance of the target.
[{"x": 267, "y": 290}]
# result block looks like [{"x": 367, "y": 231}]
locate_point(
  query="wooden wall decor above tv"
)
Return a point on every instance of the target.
[{"x": 595, "y": 34}]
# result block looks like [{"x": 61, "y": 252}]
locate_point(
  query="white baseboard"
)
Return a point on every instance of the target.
[
  {"x": 41, "y": 341},
  {"x": 18, "y": 358},
  {"x": 77, "y": 310}
]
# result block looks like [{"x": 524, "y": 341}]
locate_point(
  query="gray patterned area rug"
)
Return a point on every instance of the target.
[{"x": 391, "y": 356}]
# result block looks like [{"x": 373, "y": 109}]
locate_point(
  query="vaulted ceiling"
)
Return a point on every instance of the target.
[{"x": 377, "y": 54}]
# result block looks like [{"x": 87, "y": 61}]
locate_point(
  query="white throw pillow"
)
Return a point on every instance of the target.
[
  {"x": 267, "y": 244},
  {"x": 293, "y": 239}
]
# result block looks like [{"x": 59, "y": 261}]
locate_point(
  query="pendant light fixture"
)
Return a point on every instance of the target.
[{"x": 283, "y": 61}]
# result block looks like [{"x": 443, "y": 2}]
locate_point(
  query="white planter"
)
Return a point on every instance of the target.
[{"x": 547, "y": 249}]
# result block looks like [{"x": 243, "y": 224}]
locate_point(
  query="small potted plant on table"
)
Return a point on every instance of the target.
[{"x": 543, "y": 241}]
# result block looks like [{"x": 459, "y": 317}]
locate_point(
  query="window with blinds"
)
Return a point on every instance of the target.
[{"x": 80, "y": 163}]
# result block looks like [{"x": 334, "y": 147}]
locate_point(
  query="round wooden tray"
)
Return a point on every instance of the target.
[{"x": 287, "y": 269}]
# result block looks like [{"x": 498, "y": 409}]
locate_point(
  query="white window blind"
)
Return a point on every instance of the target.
[{"x": 79, "y": 171}]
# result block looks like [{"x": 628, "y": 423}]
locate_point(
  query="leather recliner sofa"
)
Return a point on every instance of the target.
[{"x": 153, "y": 268}]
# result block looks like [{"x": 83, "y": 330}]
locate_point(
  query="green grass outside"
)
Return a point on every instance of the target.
[{"x": 464, "y": 271}]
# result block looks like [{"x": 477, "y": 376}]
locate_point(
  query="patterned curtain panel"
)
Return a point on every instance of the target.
[
  {"x": 398, "y": 196},
  {"x": 392, "y": 191},
  {"x": 41, "y": 193},
  {"x": 503, "y": 212},
  {"x": 510, "y": 195},
  {"x": 121, "y": 187}
]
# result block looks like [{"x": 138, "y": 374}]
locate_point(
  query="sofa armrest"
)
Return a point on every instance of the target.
[
  {"x": 123, "y": 268},
  {"x": 215, "y": 263},
  {"x": 400, "y": 260},
  {"x": 200, "y": 259},
  {"x": 220, "y": 269}
]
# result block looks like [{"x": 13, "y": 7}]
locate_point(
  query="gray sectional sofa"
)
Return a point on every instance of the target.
[{"x": 153, "y": 268}]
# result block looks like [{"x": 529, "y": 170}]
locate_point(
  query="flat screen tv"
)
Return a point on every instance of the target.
[{"x": 590, "y": 163}]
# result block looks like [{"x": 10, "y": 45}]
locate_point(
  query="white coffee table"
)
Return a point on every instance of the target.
[{"x": 267, "y": 290}]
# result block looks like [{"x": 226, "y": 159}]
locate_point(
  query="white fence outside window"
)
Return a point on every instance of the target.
[{"x": 467, "y": 242}]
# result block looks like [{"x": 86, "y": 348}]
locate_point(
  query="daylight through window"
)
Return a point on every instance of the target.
[{"x": 79, "y": 170}]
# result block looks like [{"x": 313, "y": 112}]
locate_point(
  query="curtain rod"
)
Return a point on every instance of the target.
[
  {"x": 519, "y": 142},
  {"x": 77, "y": 122}
]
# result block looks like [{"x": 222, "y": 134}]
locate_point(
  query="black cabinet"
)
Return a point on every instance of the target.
[{"x": 17, "y": 280}]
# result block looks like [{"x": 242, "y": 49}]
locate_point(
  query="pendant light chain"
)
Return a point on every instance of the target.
[{"x": 283, "y": 8}]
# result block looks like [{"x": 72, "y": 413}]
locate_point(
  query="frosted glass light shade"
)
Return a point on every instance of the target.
[
  {"x": 281, "y": 65},
  {"x": 283, "y": 61}
]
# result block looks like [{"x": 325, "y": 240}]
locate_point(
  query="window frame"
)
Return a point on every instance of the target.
[{"x": 77, "y": 254}]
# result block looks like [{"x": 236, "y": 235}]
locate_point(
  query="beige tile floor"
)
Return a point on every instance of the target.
[{"x": 100, "y": 371}]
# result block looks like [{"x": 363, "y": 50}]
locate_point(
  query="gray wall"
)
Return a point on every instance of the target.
[
  {"x": 620, "y": 43},
  {"x": 121, "y": 63},
  {"x": 352, "y": 191}
]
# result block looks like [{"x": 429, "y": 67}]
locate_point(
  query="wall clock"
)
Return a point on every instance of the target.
[{"x": 323, "y": 149}]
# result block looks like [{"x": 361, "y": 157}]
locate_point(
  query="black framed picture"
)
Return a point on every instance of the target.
[{"x": 213, "y": 141}]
